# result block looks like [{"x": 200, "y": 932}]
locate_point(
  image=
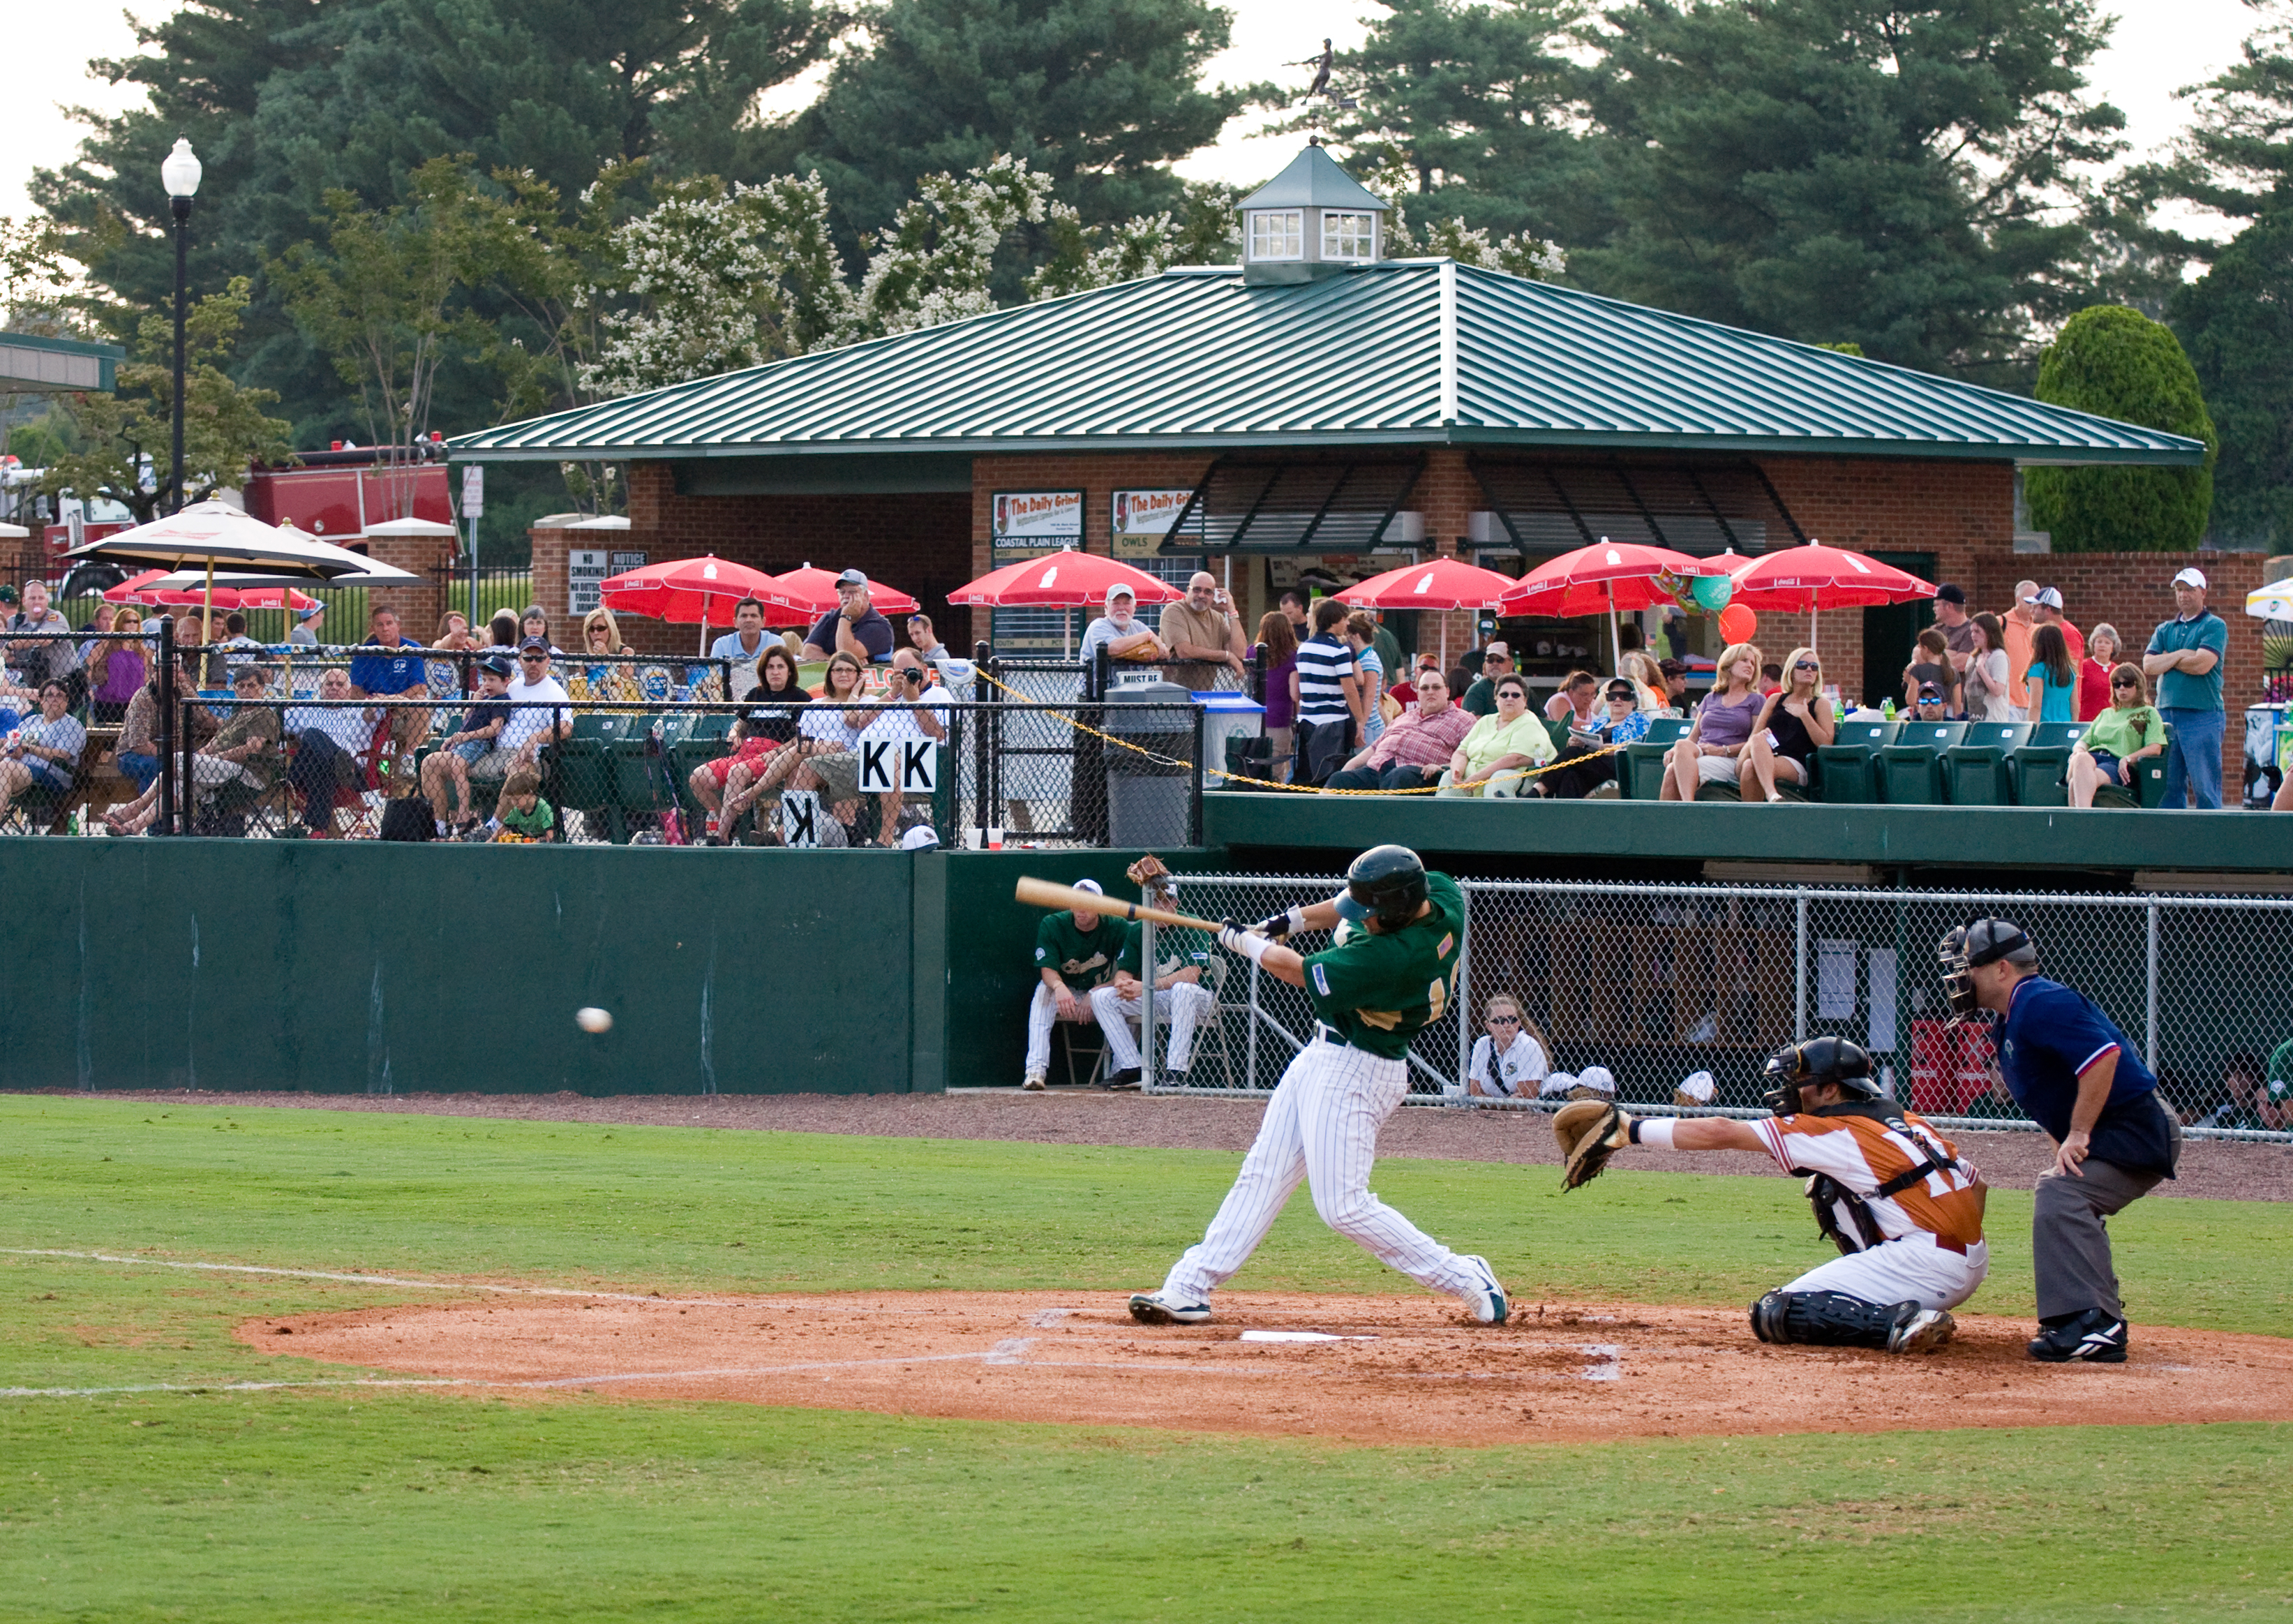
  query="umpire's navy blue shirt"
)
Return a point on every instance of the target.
[{"x": 2050, "y": 1037}]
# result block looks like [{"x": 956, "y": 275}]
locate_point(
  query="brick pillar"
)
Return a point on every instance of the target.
[
  {"x": 550, "y": 585},
  {"x": 418, "y": 608},
  {"x": 1448, "y": 496}
]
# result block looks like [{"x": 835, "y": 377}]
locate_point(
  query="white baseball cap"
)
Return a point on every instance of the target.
[
  {"x": 1699, "y": 1086},
  {"x": 2192, "y": 578},
  {"x": 2047, "y": 598},
  {"x": 923, "y": 837},
  {"x": 1598, "y": 1078},
  {"x": 1092, "y": 886},
  {"x": 1556, "y": 1083},
  {"x": 1117, "y": 590}
]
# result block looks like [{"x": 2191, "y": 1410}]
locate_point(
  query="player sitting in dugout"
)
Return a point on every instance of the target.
[
  {"x": 1904, "y": 1210},
  {"x": 1074, "y": 952},
  {"x": 1181, "y": 1001}
]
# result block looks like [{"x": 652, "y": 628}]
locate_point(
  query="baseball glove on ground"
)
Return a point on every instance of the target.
[{"x": 1590, "y": 1131}]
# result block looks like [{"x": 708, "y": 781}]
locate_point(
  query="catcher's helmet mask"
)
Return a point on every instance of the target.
[
  {"x": 1813, "y": 1063},
  {"x": 1967, "y": 947},
  {"x": 1385, "y": 885}
]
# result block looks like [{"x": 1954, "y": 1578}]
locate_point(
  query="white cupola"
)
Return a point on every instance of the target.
[{"x": 1312, "y": 220}]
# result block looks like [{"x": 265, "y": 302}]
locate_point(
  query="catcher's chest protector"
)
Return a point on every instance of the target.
[{"x": 1844, "y": 1217}]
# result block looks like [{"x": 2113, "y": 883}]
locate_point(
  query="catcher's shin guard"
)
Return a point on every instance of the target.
[{"x": 1827, "y": 1318}]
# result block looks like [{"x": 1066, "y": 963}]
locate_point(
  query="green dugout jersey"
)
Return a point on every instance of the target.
[
  {"x": 1376, "y": 991},
  {"x": 2278, "y": 1083},
  {"x": 1084, "y": 958},
  {"x": 1175, "y": 949}
]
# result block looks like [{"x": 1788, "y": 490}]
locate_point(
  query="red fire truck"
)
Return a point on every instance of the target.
[{"x": 334, "y": 494}]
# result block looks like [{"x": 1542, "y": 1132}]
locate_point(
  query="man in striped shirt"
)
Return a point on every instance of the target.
[
  {"x": 1329, "y": 696},
  {"x": 1413, "y": 751}
]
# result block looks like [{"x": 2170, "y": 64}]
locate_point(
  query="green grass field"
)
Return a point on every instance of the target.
[{"x": 352, "y": 1504}]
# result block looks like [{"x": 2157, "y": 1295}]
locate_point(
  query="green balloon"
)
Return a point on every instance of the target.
[{"x": 1714, "y": 591}]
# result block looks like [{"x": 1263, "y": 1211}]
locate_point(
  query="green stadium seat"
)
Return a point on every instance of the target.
[
  {"x": 1846, "y": 769},
  {"x": 1911, "y": 768},
  {"x": 2149, "y": 784},
  {"x": 2036, "y": 770},
  {"x": 580, "y": 767},
  {"x": 1642, "y": 777},
  {"x": 1975, "y": 771}
]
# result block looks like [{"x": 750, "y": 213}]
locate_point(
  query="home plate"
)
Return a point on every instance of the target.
[{"x": 1299, "y": 1337}]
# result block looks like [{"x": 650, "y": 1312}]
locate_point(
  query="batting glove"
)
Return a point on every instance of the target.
[
  {"x": 1282, "y": 924},
  {"x": 1248, "y": 944}
]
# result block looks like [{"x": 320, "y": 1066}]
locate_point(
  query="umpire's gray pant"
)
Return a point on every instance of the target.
[{"x": 2070, "y": 1239}]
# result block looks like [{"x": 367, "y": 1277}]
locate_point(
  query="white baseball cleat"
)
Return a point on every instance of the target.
[
  {"x": 1923, "y": 1332},
  {"x": 1034, "y": 1084},
  {"x": 1160, "y": 1308},
  {"x": 1488, "y": 1299}
]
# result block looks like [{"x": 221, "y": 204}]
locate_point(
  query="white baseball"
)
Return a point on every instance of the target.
[{"x": 593, "y": 1020}]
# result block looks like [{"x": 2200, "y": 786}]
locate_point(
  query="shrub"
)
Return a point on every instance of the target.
[{"x": 2116, "y": 362}]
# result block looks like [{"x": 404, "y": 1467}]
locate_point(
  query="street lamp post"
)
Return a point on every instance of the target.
[{"x": 179, "y": 172}]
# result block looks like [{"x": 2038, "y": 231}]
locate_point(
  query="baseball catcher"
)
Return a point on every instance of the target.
[{"x": 1891, "y": 1194}]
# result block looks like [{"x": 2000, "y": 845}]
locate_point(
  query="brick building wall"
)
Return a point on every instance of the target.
[
  {"x": 914, "y": 542},
  {"x": 418, "y": 608}
]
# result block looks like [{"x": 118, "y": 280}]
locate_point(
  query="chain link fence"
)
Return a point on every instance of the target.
[{"x": 1657, "y": 984}]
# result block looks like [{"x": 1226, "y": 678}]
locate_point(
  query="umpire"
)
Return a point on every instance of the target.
[{"x": 2079, "y": 1078}]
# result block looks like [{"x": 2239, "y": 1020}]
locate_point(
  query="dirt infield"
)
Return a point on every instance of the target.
[
  {"x": 2223, "y": 1170},
  {"x": 1368, "y": 1370}
]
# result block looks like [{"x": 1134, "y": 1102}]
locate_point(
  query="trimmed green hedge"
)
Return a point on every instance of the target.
[{"x": 2116, "y": 362}]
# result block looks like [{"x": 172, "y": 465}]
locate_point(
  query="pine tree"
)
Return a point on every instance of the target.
[
  {"x": 1852, "y": 171},
  {"x": 2117, "y": 362},
  {"x": 1471, "y": 104},
  {"x": 1098, "y": 94}
]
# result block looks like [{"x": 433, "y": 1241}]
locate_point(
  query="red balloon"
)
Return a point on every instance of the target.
[{"x": 1737, "y": 623}]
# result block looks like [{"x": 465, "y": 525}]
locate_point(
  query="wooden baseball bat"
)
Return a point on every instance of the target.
[{"x": 1048, "y": 894}]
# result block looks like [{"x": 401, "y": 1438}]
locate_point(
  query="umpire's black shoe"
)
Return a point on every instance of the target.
[
  {"x": 2093, "y": 1337},
  {"x": 1129, "y": 1077}
]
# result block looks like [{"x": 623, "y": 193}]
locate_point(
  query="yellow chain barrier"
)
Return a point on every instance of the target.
[{"x": 1268, "y": 784}]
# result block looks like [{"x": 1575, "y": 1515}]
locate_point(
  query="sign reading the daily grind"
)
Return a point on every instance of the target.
[
  {"x": 1140, "y": 519},
  {"x": 1037, "y": 519}
]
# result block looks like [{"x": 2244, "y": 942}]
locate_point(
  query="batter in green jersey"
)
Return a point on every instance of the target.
[
  {"x": 1377, "y": 990},
  {"x": 1390, "y": 972}
]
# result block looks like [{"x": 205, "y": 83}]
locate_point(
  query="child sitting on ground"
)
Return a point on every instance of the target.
[{"x": 521, "y": 814}]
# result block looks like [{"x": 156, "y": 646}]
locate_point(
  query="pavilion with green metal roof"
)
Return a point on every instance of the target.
[{"x": 1320, "y": 412}]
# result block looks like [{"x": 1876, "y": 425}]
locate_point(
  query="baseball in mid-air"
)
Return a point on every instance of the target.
[{"x": 593, "y": 1020}]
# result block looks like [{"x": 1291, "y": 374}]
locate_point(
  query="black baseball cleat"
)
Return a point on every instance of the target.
[
  {"x": 2093, "y": 1337},
  {"x": 1129, "y": 1077}
]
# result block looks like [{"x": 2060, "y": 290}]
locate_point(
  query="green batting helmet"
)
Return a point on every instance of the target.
[{"x": 1386, "y": 883}]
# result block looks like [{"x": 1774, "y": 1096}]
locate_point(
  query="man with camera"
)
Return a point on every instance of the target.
[
  {"x": 1205, "y": 636},
  {"x": 915, "y": 709}
]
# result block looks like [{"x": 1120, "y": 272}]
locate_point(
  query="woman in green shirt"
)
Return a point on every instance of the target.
[
  {"x": 2122, "y": 736},
  {"x": 1500, "y": 745}
]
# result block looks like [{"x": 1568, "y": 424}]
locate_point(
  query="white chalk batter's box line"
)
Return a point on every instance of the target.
[{"x": 1009, "y": 1352}]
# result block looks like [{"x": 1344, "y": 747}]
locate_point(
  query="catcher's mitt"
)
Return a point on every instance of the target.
[{"x": 1590, "y": 1131}]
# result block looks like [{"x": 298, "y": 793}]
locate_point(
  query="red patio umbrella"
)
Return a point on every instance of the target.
[
  {"x": 1438, "y": 583},
  {"x": 126, "y": 591},
  {"x": 1606, "y": 577},
  {"x": 1064, "y": 579},
  {"x": 1804, "y": 580},
  {"x": 685, "y": 591},
  {"x": 812, "y": 593}
]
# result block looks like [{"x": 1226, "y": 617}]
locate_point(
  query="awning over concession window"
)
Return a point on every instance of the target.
[
  {"x": 1271, "y": 504},
  {"x": 1699, "y": 507}
]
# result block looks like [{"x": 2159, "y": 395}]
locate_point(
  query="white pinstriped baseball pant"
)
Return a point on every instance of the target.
[
  {"x": 1043, "y": 1015},
  {"x": 1321, "y": 1125},
  {"x": 1181, "y": 1006}
]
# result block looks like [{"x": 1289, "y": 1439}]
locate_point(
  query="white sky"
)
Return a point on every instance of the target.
[{"x": 2160, "y": 45}]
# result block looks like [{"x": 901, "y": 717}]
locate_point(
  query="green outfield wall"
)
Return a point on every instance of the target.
[
  {"x": 358, "y": 966},
  {"x": 363, "y": 965}
]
